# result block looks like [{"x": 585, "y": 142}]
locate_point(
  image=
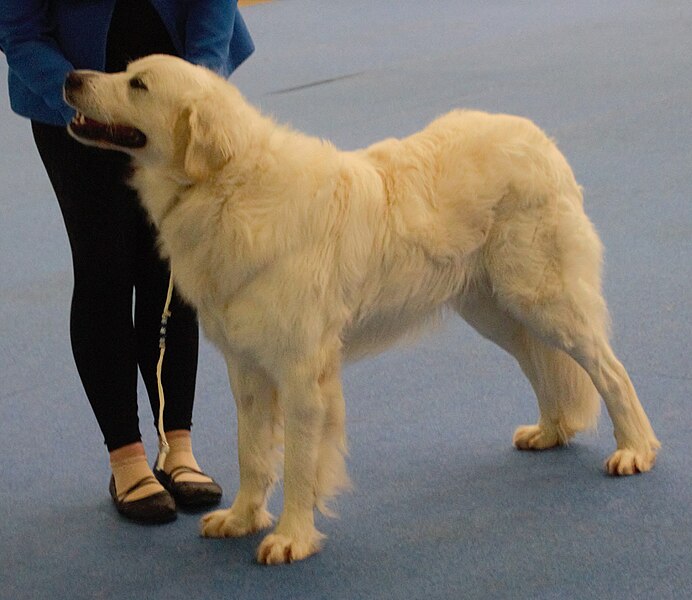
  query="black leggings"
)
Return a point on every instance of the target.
[{"x": 113, "y": 253}]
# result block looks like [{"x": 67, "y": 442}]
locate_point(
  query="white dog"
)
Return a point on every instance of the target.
[{"x": 298, "y": 256}]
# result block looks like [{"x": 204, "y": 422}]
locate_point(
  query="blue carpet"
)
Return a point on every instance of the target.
[{"x": 442, "y": 507}]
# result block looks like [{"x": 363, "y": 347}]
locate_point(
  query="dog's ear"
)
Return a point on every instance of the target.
[{"x": 203, "y": 145}]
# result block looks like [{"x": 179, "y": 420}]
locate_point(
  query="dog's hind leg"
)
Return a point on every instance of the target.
[
  {"x": 563, "y": 324},
  {"x": 259, "y": 442},
  {"x": 548, "y": 279},
  {"x": 567, "y": 400}
]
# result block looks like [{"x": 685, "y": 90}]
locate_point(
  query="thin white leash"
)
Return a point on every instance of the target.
[{"x": 164, "y": 448}]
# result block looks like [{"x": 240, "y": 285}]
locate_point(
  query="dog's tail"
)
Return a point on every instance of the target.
[{"x": 566, "y": 394}]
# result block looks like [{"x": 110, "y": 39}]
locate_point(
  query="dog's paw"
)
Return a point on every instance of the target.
[
  {"x": 232, "y": 523},
  {"x": 625, "y": 461},
  {"x": 535, "y": 437},
  {"x": 278, "y": 549}
]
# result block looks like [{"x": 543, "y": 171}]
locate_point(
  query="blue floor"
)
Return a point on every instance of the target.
[{"x": 443, "y": 507}]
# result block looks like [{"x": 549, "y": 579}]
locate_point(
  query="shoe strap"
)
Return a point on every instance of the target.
[
  {"x": 141, "y": 483},
  {"x": 183, "y": 469}
]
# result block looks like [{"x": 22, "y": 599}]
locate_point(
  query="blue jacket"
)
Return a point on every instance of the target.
[{"x": 45, "y": 39}]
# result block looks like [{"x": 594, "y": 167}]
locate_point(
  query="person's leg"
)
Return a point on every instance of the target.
[
  {"x": 181, "y": 474},
  {"x": 101, "y": 234},
  {"x": 136, "y": 30},
  {"x": 180, "y": 360},
  {"x": 101, "y": 221}
]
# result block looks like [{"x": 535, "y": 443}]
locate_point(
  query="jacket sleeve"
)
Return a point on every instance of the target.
[
  {"x": 208, "y": 33},
  {"x": 32, "y": 54}
]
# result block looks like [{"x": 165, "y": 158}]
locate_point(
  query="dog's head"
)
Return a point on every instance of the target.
[{"x": 161, "y": 110}]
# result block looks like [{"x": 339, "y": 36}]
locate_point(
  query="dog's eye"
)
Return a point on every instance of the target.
[{"x": 137, "y": 84}]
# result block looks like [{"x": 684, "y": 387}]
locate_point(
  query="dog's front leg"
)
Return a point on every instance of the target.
[
  {"x": 259, "y": 439},
  {"x": 295, "y": 536}
]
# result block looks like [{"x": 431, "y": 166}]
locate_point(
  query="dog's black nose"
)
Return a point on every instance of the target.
[{"x": 73, "y": 81}]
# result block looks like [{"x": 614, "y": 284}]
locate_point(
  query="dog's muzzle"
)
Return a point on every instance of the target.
[{"x": 87, "y": 128}]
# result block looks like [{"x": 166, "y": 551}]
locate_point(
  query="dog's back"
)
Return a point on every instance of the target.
[{"x": 443, "y": 187}]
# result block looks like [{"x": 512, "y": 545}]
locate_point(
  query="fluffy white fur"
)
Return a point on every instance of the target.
[{"x": 298, "y": 256}]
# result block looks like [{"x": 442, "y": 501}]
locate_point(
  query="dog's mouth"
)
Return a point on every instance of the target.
[{"x": 109, "y": 133}]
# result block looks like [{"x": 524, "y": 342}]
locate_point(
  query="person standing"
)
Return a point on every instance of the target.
[{"x": 112, "y": 243}]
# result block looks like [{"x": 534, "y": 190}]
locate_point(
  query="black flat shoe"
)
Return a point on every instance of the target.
[
  {"x": 189, "y": 494},
  {"x": 154, "y": 509}
]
